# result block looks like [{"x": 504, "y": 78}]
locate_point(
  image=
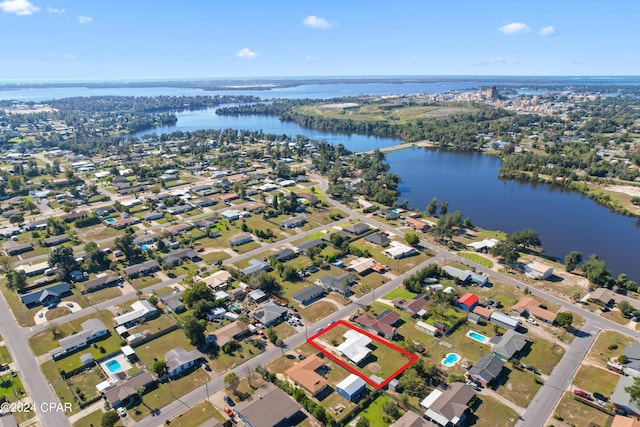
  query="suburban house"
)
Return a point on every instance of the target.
[
  {"x": 255, "y": 207},
  {"x": 55, "y": 240},
  {"x": 176, "y": 257},
  {"x": 411, "y": 419},
  {"x": 101, "y": 283},
  {"x": 357, "y": 229},
  {"x": 621, "y": 399},
  {"x": 355, "y": 346},
  {"x": 389, "y": 214},
  {"x": 412, "y": 306},
  {"x": 632, "y": 367},
  {"x": 305, "y": 374},
  {"x": 124, "y": 391},
  {"x": 486, "y": 369},
  {"x": 538, "y": 270},
  {"x": 33, "y": 269},
  {"x": 468, "y": 301},
  {"x": 606, "y": 296},
  {"x": 362, "y": 266},
  {"x": 232, "y": 214},
  {"x": 531, "y": 306},
  {"x": 341, "y": 284},
  {"x": 174, "y": 230},
  {"x": 427, "y": 328},
  {"x": 153, "y": 216},
  {"x": 256, "y": 265},
  {"x": 270, "y": 314},
  {"x": 141, "y": 311},
  {"x": 240, "y": 239},
  {"x": 416, "y": 224},
  {"x": 12, "y": 248},
  {"x": 284, "y": 255},
  {"x": 72, "y": 216},
  {"x": 622, "y": 421},
  {"x": 382, "y": 324},
  {"x": 173, "y": 302},
  {"x": 466, "y": 275},
  {"x": 179, "y": 360},
  {"x": 124, "y": 222},
  {"x": 378, "y": 239},
  {"x": 219, "y": 279},
  {"x": 269, "y": 406},
  {"x": 258, "y": 296},
  {"x": 510, "y": 344},
  {"x": 142, "y": 269},
  {"x": 399, "y": 250},
  {"x": 46, "y": 296},
  {"x": 504, "y": 320},
  {"x": 351, "y": 387},
  {"x": 309, "y": 294},
  {"x": 293, "y": 222},
  {"x": 179, "y": 210},
  {"x": 483, "y": 245},
  {"x": 448, "y": 407},
  {"x": 482, "y": 312},
  {"x": 310, "y": 244},
  {"x": 225, "y": 198},
  {"x": 146, "y": 239},
  {"x": 228, "y": 333},
  {"x": 92, "y": 329}
]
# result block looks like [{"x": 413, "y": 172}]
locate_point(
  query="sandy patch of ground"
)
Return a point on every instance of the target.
[{"x": 629, "y": 190}]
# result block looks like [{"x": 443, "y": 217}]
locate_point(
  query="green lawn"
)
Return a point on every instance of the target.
[
  {"x": 197, "y": 415},
  {"x": 488, "y": 412},
  {"x": 94, "y": 418},
  {"x": 373, "y": 412},
  {"x": 520, "y": 386},
  {"x": 544, "y": 355},
  {"x": 316, "y": 311},
  {"x": 5, "y": 357},
  {"x": 11, "y": 387},
  {"x": 400, "y": 292},
  {"x": 102, "y": 295},
  {"x": 145, "y": 281},
  {"x": 593, "y": 379},
  {"x": 608, "y": 344},
  {"x": 61, "y": 388},
  {"x": 478, "y": 259},
  {"x": 86, "y": 382},
  {"x": 157, "y": 348}
]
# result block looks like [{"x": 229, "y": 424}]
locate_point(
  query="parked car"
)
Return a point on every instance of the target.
[
  {"x": 532, "y": 321},
  {"x": 228, "y": 411},
  {"x": 229, "y": 401},
  {"x": 599, "y": 396},
  {"x": 302, "y": 357},
  {"x": 582, "y": 394},
  {"x": 474, "y": 385},
  {"x": 122, "y": 412},
  {"x": 490, "y": 302}
]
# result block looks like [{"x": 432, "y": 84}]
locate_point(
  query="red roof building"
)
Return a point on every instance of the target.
[{"x": 468, "y": 301}]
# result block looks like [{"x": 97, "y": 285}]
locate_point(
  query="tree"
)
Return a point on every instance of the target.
[
  {"x": 444, "y": 207},
  {"x": 506, "y": 251},
  {"x": 5, "y": 263},
  {"x": 194, "y": 329},
  {"x": 16, "y": 219},
  {"x": 63, "y": 259},
  {"x": 16, "y": 279},
  {"x": 363, "y": 422},
  {"x": 159, "y": 366},
  {"x": 198, "y": 292},
  {"x": 625, "y": 308},
  {"x": 232, "y": 381},
  {"x": 153, "y": 300},
  {"x": 564, "y": 319},
  {"x": 391, "y": 408},
  {"x": 572, "y": 260},
  {"x": 110, "y": 418},
  {"x": 623, "y": 359},
  {"x": 596, "y": 271},
  {"x": 575, "y": 295},
  {"x": 412, "y": 239},
  {"x": 525, "y": 238},
  {"x": 432, "y": 207},
  {"x": 125, "y": 244},
  {"x": 634, "y": 390}
]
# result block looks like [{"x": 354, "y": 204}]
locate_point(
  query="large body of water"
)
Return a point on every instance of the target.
[{"x": 564, "y": 219}]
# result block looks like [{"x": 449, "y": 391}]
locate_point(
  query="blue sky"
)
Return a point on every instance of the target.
[{"x": 142, "y": 39}]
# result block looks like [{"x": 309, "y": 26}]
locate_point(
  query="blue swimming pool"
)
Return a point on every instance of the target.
[
  {"x": 144, "y": 247},
  {"x": 477, "y": 337},
  {"x": 450, "y": 360},
  {"x": 113, "y": 366},
  {"x": 110, "y": 220}
]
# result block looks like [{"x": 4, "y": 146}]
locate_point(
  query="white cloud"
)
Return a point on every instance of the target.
[
  {"x": 19, "y": 7},
  {"x": 55, "y": 10},
  {"x": 62, "y": 55},
  {"x": 316, "y": 22},
  {"x": 514, "y": 28},
  {"x": 247, "y": 53},
  {"x": 85, "y": 20},
  {"x": 547, "y": 31}
]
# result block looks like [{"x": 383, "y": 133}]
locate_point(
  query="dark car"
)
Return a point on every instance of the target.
[
  {"x": 599, "y": 396},
  {"x": 229, "y": 401}
]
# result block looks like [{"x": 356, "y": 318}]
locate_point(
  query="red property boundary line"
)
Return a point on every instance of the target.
[{"x": 412, "y": 357}]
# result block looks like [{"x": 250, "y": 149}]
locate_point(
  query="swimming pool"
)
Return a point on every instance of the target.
[
  {"x": 478, "y": 337},
  {"x": 235, "y": 307},
  {"x": 113, "y": 366},
  {"x": 145, "y": 247},
  {"x": 110, "y": 220},
  {"x": 450, "y": 360}
]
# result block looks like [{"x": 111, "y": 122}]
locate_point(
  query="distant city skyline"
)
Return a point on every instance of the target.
[{"x": 144, "y": 40}]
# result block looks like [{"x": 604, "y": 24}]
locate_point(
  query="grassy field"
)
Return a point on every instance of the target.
[
  {"x": 593, "y": 379},
  {"x": 5, "y": 357},
  {"x": 61, "y": 388},
  {"x": 543, "y": 355},
  {"x": 520, "y": 386},
  {"x": 157, "y": 348},
  {"x": 578, "y": 414},
  {"x": 144, "y": 281},
  {"x": 94, "y": 418},
  {"x": 197, "y": 415},
  {"x": 400, "y": 292},
  {"x": 608, "y": 344},
  {"x": 373, "y": 412},
  {"x": 488, "y": 412},
  {"x": 316, "y": 311},
  {"x": 103, "y": 295},
  {"x": 478, "y": 259}
]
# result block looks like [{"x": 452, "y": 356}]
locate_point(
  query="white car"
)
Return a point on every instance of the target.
[
  {"x": 532, "y": 321},
  {"x": 122, "y": 412}
]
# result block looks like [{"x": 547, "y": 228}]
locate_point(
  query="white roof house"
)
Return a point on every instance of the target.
[
  {"x": 538, "y": 270},
  {"x": 483, "y": 245},
  {"x": 140, "y": 309},
  {"x": 355, "y": 346},
  {"x": 398, "y": 250}
]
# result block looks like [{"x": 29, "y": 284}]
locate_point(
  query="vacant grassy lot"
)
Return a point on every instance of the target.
[
  {"x": 608, "y": 344},
  {"x": 103, "y": 295},
  {"x": 5, "y": 357},
  {"x": 478, "y": 259},
  {"x": 316, "y": 311},
  {"x": 615, "y": 316},
  {"x": 578, "y": 414},
  {"x": 488, "y": 412},
  {"x": 197, "y": 415},
  {"x": 518, "y": 386},
  {"x": 94, "y": 418},
  {"x": 593, "y": 379},
  {"x": 145, "y": 281},
  {"x": 544, "y": 355},
  {"x": 400, "y": 292},
  {"x": 157, "y": 348},
  {"x": 61, "y": 388},
  {"x": 373, "y": 412}
]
